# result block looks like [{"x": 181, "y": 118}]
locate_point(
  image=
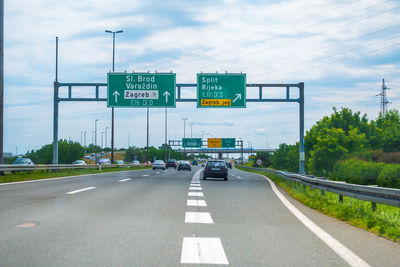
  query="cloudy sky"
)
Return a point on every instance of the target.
[{"x": 341, "y": 50}]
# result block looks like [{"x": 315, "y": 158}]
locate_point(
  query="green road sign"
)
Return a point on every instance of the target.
[
  {"x": 228, "y": 142},
  {"x": 191, "y": 142},
  {"x": 216, "y": 90},
  {"x": 137, "y": 90}
]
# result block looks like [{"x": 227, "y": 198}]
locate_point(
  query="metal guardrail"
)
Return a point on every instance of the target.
[
  {"x": 50, "y": 167},
  {"x": 374, "y": 194}
]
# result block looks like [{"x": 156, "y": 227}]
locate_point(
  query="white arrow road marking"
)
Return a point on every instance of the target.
[
  {"x": 116, "y": 94},
  {"x": 237, "y": 96},
  {"x": 166, "y": 94},
  {"x": 80, "y": 190}
]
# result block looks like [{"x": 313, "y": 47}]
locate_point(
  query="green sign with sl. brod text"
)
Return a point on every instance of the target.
[
  {"x": 215, "y": 90},
  {"x": 138, "y": 90}
]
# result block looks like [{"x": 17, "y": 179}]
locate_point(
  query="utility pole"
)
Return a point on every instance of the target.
[
  {"x": 1, "y": 78},
  {"x": 384, "y": 101}
]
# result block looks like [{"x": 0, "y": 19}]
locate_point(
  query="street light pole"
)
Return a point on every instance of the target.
[
  {"x": 184, "y": 127},
  {"x": 105, "y": 137},
  {"x": 102, "y": 135},
  {"x": 84, "y": 143},
  {"x": 112, "y": 109},
  {"x": 129, "y": 139},
  {"x": 147, "y": 147},
  {"x": 191, "y": 129},
  {"x": 95, "y": 132}
]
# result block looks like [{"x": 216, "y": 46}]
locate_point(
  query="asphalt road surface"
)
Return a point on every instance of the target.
[{"x": 174, "y": 218}]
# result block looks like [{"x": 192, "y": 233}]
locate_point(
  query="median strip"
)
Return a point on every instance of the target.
[{"x": 80, "y": 190}]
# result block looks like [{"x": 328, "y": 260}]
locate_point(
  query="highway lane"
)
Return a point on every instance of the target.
[{"x": 142, "y": 218}]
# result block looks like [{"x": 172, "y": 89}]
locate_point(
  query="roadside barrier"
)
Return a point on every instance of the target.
[{"x": 374, "y": 194}]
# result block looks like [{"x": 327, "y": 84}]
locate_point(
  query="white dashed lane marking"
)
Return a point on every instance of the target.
[
  {"x": 198, "y": 217},
  {"x": 80, "y": 190},
  {"x": 195, "y": 188},
  {"x": 124, "y": 180},
  {"x": 157, "y": 172},
  {"x": 195, "y": 194},
  {"x": 202, "y": 250},
  {"x": 196, "y": 203},
  {"x": 144, "y": 175}
]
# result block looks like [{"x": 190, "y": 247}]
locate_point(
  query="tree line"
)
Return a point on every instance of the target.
[{"x": 347, "y": 144}]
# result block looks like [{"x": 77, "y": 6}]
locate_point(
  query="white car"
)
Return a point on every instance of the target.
[
  {"x": 79, "y": 162},
  {"x": 135, "y": 162},
  {"x": 159, "y": 164}
]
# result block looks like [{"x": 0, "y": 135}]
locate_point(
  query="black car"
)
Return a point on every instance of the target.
[
  {"x": 215, "y": 168},
  {"x": 171, "y": 163},
  {"x": 184, "y": 165}
]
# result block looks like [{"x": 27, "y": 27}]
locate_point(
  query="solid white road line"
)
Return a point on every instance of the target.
[
  {"x": 80, "y": 190},
  {"x": 195, "y": 188},
  {"x": 124, "y": 180},
  {"x": 346, "y": 254},
  {"x": 196, "y": 203},
  {"x": 195, "y": 194},
  {"x": 144, "y": 175},
  {"x": 203, "y": 250},
  {"x": 198, "y": 217}
]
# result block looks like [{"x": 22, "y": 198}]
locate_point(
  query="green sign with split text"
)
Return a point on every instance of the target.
[
  {"x": 217, "y": 90},
  {"x": 138, "y": 90}
]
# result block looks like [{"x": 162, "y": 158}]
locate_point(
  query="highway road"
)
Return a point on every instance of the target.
[{"x": 171, "y": 218}]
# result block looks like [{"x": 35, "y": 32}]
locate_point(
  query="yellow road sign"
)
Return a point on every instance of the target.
[
  {"x": 215, "y": 102},
  {"x": 214, "y": 142}
]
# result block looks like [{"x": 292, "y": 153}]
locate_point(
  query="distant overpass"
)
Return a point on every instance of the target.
[{"x": 224, "y": 150}]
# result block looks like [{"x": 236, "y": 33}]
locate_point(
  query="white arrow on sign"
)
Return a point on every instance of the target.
[
  {"x": 166, "y": 96},
  {"x": 237, "y": 96},
  {"x": 116, "y": 94}
]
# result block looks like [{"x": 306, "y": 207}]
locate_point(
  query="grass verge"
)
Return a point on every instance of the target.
[
  {"x": 385, "y": 221},
  {"x": 37, "y": 175}
]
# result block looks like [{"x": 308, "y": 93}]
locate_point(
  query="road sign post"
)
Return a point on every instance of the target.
[
  {"x": 217, "y": 90},
  {"x": 138, "y": 90}
]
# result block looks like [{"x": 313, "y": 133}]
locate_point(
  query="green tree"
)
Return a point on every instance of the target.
[
  {"x": 68, "y": 152},
  {"x": 385, "y": 132},
  {"x": 265, "y": 157},
  {"x": 331, "y": 145}
]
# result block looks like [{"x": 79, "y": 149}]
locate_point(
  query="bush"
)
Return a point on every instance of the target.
[
  {"x": 357, "y": 171},
  {"x": 390, "y": 176}
]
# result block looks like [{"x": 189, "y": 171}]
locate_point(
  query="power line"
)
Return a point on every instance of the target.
[{"x": 277, "y": 28}]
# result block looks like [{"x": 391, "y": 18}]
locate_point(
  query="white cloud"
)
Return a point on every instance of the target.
[{"x": 341, "y": 50}]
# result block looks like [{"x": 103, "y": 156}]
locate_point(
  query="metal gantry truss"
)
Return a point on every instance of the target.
[{"x": 97, "y": 86}]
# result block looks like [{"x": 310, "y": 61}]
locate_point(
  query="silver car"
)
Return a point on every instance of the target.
[{"x": 159, "y": 164}]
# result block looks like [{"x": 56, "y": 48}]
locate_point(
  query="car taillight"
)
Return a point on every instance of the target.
[{"x": 225, "y": 169}]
